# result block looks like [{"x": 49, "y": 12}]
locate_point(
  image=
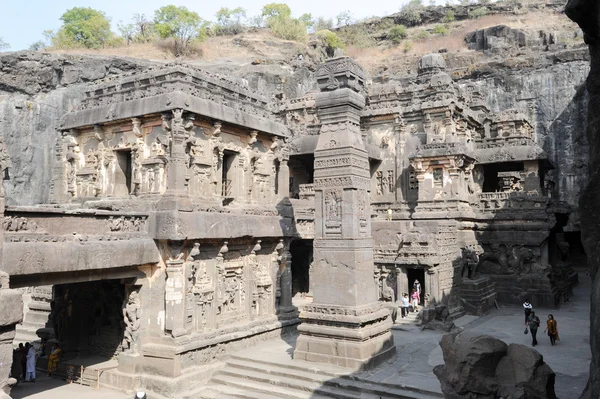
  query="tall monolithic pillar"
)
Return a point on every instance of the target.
[
  {"x": 11, "y": 301},
  {"x": 345, "y": 325}
]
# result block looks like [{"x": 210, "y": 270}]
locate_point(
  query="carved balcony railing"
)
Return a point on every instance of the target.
[
  {"x": 227, "y": 189},
  {"x": 306, "y": 191},
  {"x": 512, "y": 201},
  {"x": 495, "y": 142}
]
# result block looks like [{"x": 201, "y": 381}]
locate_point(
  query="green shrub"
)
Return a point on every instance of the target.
[
  {"x": 441, "y": 30},
  {"x": 288, "y": 28},
  {"x": 422, "y": 35},
  {"x": 449, "y": 17},
  {"x": 410, "y": 13},
  {"x": 479, "y": 12},
  {"x": 230, "y": 21},
  {"x": 397, "y": 33},
  {"x": 356, "y": 35},
  {"x": 330, "y": 41},
  {"x": 407, "y": 46}
]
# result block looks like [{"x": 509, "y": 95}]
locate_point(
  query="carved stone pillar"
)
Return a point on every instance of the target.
[
  {"x": 58, "y": 183},
  {"x": 283, "y": 179},
  {"x": 175, "y": 298},
  {"x": 345, "y": 325},
  {"x": 402, "y": 282},
  {"x": 286, "y": 308},
  {"x": 11, "y": 310},
  {"x": 176, "y": 195}
]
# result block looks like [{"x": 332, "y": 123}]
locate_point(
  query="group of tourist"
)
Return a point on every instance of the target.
[
  {"x": 23, "y": 365},
  {"x": 533, "y": 323},
  {"x": 25, "y": 358},
  {"x": 414, "y": 300}
]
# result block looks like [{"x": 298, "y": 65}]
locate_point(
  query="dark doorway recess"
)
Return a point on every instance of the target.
[
  {"x": 416, "y": 274},
  {"x": 302, "y": 255}
]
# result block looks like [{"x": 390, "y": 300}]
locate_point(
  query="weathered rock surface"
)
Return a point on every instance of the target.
[
  {"x": 481, "y": 366},
  {"x": 587, "y": 14},
  {"x": 35, "y": 90}
]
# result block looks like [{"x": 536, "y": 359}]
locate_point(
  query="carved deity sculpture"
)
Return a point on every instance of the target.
[
  {"x": 470, "y": 260},
  {"x": 131, "y": 316},
  {"x": 158, "y": 147}
]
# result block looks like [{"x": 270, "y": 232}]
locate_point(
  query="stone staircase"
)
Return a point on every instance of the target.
[
  {"x": 412, "y": 319},
  {"x": 256, "y": 378},
  {"x": 36, "y": 316}
]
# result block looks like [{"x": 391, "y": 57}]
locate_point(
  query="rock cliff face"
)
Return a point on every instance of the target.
[
  {"x": 555, "y": 99},
  {"x": 587, "y": 14},
  {"x": 36, "y": 89}
]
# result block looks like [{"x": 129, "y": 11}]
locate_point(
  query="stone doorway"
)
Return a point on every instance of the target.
[
  {"x": 88, "y": 318},
  {"x": 413, "y": 274},
  {"x": 302, "y": 256},
  {"x": 123, "y": 173}
]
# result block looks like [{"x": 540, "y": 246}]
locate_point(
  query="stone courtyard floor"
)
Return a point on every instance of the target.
[{"x": 418, "y": 352}]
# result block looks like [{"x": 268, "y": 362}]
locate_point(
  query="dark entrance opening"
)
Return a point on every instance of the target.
[
  {"x": 301, "y": 172},
  {"x": 88, "y": 318},
  {"x": 576, "y": 249},
  {"x": 123, "y": 174},
  {"x": 490, "y": 174},
  {"x": 302, "y": 256},
  {"x": 413, "y": 275}
]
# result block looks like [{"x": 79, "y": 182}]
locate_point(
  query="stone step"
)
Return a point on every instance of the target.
[
  {"x": 282, "y": 375},
  {"x": 32, "y": 326},
  {"x": 228, "y": 392},
  {"x": 283, "y": 388},
  {"x": 23, "y": 335},
  {"x": 39, "y": 306},
  {"x": 36, "y": 317}
]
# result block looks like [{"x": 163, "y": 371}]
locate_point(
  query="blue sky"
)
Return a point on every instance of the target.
[{"x": 23, "y": 21}]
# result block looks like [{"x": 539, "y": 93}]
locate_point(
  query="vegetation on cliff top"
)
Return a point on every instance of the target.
[{"x": 277, "y": 35}]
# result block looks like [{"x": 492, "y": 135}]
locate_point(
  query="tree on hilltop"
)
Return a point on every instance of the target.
[
  {"x": 180, "y": 25},
  {"x": 3, "y": 45},
  {"x": 279, "y": 20},
  {"x": 83, "y": 27},
  {"x": 230, "y": 21}
]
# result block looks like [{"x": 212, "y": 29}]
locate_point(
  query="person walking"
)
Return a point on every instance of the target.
[
  {"x": 24, "y": 350},
  {"x": 415, "y": 300},
  {"x": 16, "y": 370},
  {"x": 552, "y": 329},
  {"x": 417, "y": 286},
  {"x": 533, "y": 322},
  {"x": 527, "y": 308},
  {"x": 405, "y": 304},
  {"x": 31, "y": 358}
]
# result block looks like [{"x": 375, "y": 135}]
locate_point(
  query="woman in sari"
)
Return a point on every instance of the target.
[
  {"x": 552, "y": 329},
  {"x": 53, "y": 359}
]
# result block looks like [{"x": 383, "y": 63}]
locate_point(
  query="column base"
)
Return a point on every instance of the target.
[
  {"x": 358, "y": 338},
  {"x": 287, "y": 312}
]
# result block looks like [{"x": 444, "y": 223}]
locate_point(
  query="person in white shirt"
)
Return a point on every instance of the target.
[
  {"x": 405, "y": 304},
  {"x": 527, "y": 308}
]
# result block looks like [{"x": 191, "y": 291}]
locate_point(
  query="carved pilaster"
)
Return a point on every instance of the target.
[
  {"x": 175, "y": 297},
  {"x": 178, "y": 129}
]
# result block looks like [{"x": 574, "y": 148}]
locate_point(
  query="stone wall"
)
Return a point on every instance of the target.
[{"x": 587, "y": 14}]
